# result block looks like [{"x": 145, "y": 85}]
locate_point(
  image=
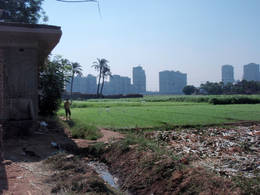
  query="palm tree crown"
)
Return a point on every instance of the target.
[{"x": 101, "y": 65}]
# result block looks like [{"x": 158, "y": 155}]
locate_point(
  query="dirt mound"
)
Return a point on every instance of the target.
[{"x": 144, "y": 172}]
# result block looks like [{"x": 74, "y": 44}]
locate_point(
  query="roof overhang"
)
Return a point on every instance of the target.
[{"x": 42, "y": 37}]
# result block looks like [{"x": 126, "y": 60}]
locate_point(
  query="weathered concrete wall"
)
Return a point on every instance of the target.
[
  {"x": 1, "y": 83},
  {"x": 23, "y": 48},
  {"x": 21, "y": 73},
  {"x": 1, "y": 143}
]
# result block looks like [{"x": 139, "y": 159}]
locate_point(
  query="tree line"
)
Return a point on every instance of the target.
[
  {"x": 59, "y": 71},
  {"x": 215, "y": 88}
]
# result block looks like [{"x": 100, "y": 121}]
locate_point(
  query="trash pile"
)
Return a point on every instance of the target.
[{"x": 231, "y": 151}]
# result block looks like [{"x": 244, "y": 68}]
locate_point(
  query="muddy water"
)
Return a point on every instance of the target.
[{"x": 103, "y": 172}]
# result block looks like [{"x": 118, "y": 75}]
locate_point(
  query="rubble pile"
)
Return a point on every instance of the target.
[{"x": 230, "y": 151}]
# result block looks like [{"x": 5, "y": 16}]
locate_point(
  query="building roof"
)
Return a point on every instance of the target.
[{"x": 42, "y": 37}]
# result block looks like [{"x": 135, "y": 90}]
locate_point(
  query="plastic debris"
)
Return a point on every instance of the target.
[
  {"x": 228, "y": 151},
  {"x": 43, "y": 124}
]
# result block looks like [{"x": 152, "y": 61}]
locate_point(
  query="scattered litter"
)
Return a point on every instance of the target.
[
  {"x": 69, "y": 156},
  {"x": 54, "y": 144},
  {"x": 43, "y": 124},
  {"x": 227, "y": 151}
]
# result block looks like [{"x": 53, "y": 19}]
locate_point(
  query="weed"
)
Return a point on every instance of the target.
[
  {"x": 82, "y": 130},
  {"x": 250, "y": 186}
]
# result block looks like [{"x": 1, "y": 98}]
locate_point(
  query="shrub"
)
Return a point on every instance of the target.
[
  {"x": 51, "y": 85},
  {"x": 234, "y": 100}
]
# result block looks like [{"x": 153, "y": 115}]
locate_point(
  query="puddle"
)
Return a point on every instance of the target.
[{"x": 103, "y": 172}]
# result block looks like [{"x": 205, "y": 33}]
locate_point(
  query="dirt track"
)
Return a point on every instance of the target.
[{"x": 23, "y": 173}]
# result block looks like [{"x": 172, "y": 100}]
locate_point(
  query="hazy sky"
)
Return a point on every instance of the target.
[{"x": 193, "y": 36}]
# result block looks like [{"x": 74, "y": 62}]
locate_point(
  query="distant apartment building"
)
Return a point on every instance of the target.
[
  {"x": 118, "y": 85},
  {"x": 227, "y": 74},
  {"x": 83, "y": 84},
  {"x": 78, "y": 84},
  {"x": 139, "y": 79},
  {"x": 251, "y": 72},
  {"x": 91, "y": 84},
  {"x": 171, "y": 82}
]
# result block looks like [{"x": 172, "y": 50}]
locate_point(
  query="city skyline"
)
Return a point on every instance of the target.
[
  {"x": 170, "y": 81},
  {"x": 195, "y": 38}
]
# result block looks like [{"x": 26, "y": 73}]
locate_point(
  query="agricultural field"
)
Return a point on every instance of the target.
[
  {"x": 160, "y": 111},
  {"x": 174, "y": 144}
]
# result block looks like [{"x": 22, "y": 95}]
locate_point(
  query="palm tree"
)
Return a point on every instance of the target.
[
  {"x": 106, "y": 72},
  {"x": 99, "y": 66},
  {"x": 75, "y": 70}
]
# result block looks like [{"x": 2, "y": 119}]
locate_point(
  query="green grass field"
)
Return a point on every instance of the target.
[{"x": 140, "y": 113}]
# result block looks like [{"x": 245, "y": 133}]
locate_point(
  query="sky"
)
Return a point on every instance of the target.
[{"x": 195, "y": 37}]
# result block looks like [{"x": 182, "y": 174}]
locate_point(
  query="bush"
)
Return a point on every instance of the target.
[
  {"x": 51, "y": 85},
  {"x": 234, "y": 100}
]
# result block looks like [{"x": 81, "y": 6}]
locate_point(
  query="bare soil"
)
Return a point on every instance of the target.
[
  {"x": 23, "y": 171},
  {"x": 206, "y": 160},
  {"x": 146, "y": 173}
]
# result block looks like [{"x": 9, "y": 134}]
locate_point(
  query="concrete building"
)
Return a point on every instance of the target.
[
  {"x": 23, "y": 49},
  {"x": 171, "y": 82},
  {"x": 227, "y": 74},
  {"x": 117, "y": 85},
  {"x": 251, "y": 72},
  {"x": 84, "y": 85},
  {"x": 78, "y": 84},
  {"x": 91, "y": 84},
  {"x": 139, "y": 79}
]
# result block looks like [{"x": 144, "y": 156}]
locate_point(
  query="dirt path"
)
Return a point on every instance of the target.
[
  {"x": 22, "y": 174},
  {"x": 108, "y": 136},
  {"x": 25, "y": 179}
]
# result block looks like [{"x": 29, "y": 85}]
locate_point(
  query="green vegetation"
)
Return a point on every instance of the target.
[
  {"x": 249, "y": 185},
  {"x": 165, "y": 98},
  {"x": 25, "y": 11},
  {"x": 234, "y": 100},
  {"x": 160, "y": 112},
  {"x": 82, "y": 129},
  {"x": 52, "y": 77}
]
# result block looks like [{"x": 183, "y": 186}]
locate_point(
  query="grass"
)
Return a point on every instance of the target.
[
  {"x": 176, "y": 98},
  {"x": 119, "y": 114},
  {"x": 82, "y": 129}
]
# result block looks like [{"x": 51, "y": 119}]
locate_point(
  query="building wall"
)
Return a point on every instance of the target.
[
  {"x": 1, "y": 83},
  {"x": 118, "y": 85},
  {"x": 21, "y": 83},
  {"x": 227, "y": 74},
  {"x": 91, "y": 84},
  {"x": 85, "y": 85},
  {"x": 251, "y": 72},
  {"x": 139, "y": 79},
  {"x": 171, "y": 82}
]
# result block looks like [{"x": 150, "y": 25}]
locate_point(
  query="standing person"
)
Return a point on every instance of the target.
[{"x": 67, "y": 105}]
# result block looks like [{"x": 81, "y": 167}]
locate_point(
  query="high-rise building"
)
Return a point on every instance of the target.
[
  {"x": 139, "y": 79},
  {"x": 118, "y": 85},
  {"x": 227, "y": 74},
  {"x": 77, "y": 84},
  {"x": 251, "y": 72},
  {"x": 83, "y": 84},
  {"x": 172, "y": 82},
  {"x": 91, "y": 84}
]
